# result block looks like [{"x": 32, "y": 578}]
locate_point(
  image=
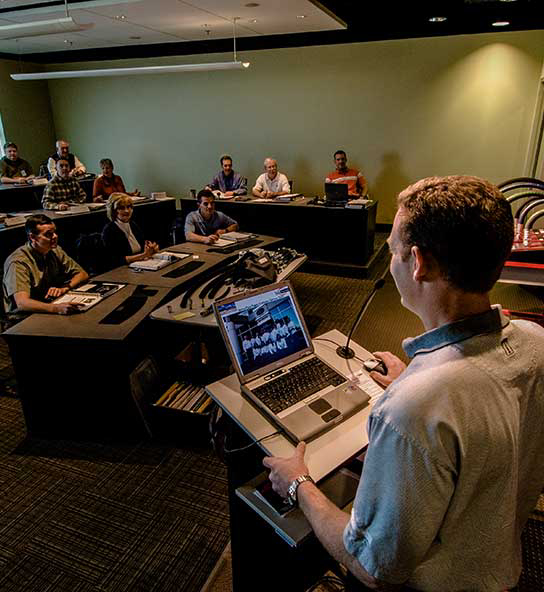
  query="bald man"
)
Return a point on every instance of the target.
[{"x": 271, "y": 183}]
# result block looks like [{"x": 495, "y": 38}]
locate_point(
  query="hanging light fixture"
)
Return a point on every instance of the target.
[
  {"x": 65, "y": 24},
  {"x": 201, "y": 67}
]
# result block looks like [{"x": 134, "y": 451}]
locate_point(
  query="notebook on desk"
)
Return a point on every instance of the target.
[{"x": 274, "y": 358}]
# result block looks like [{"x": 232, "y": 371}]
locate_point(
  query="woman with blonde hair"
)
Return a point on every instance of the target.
[{"x": 123, "y": 239}]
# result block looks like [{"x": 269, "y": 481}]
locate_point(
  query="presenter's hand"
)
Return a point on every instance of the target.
[
  {"x": 395, "y": 367},
  {"x": 66, "y": 308},
  {"x": 98, "y": 199},
  {"x": 210, "y": 240},
  {"x": 56, "y": 292},
  {"x": 64, "y": 206},
  {"x": 283, "y": 471},
  {"x": 220, "y": 231}
]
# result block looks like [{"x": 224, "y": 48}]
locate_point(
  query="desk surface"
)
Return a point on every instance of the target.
[
  {"x": 331, "y": 449},
  {"x": 86, "y": 325}
]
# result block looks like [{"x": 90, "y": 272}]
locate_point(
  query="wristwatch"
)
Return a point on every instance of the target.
[{"x": 292, "y": 489}]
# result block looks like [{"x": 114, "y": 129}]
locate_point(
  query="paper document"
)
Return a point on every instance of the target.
[{"x": 90, "y": 294}]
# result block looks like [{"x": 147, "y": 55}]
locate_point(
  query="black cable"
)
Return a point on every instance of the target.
[
  {"x": 344, "y": 351},
  {"x": 229, "y": 451}
]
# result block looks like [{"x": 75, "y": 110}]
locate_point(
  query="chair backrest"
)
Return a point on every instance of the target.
[
  {"x": 91, "y": 253},
  {"x": 291, "y": 183}
]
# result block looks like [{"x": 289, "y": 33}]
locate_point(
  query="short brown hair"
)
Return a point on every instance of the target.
[
  {"x": 113, "y": 203},
  {"x": 465, "y": 223}
]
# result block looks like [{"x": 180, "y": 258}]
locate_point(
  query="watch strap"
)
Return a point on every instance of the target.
[{"x": 292, "y": 489}]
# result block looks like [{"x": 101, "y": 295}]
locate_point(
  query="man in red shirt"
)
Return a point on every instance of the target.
[{"x": 357, "y": 186}]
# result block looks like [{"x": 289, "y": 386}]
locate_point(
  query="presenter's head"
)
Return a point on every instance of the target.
[
  {"x": 206, "y": 203},
  {"x": 271, "y": 167},
  {"x": 340, "y": 161},
  {"x": 41, "y": 233},
  {"x": 119, "y": 207},
  {"x": 11, "y": 151},
  {"x": 63, "y": 168},
  {"x": 226, "y": 165},
  {"x": 450, "y": 239}
]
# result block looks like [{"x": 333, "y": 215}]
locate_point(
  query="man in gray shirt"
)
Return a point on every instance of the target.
[
  {"x": 40, "y": 271},
  {"x": 206, "y": 225},
  {"x": 455, "y": 461}
]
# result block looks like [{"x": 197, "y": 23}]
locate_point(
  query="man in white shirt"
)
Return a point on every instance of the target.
[{"x": 271, "y": 183}]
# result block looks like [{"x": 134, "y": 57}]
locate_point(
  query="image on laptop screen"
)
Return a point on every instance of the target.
[{"x": 263, "y": 328}]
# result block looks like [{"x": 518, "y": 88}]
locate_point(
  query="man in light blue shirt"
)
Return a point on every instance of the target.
[
  {"x": 206, "y": 225},
  {"x": 455, "y": 461},
  {"x": 228, "y": 181}
]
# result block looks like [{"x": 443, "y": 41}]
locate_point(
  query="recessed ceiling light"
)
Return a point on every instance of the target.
[
  {"x": 301, "y": 16},
  {"x": 254, "y": 21},
  {"x": 438, "y": 19},
  {"x": 252, "y": 5},
  {"x": 120, "y": 17},
  {"x": 501, "y": 23},
  {"x": 508, "y": 0}
]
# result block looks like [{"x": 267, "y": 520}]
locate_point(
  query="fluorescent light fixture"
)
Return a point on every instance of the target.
[
  {"x": 438, "y": 19},
  {"x": 501, "y": 23},
  {"x": 132, "y": 71},
  {"x": 50, "y": 27}
]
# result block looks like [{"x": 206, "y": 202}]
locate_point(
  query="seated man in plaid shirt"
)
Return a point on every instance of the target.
[{"x": 63, "y": 189}]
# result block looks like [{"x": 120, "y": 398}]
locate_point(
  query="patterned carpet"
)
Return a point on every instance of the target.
[
  {"x": 149, "y": 517},
  {"x": 90, "y": 517}
]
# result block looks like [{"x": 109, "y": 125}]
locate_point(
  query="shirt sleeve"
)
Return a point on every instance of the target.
[
  {"x": 225, "y": 221},
  {"x": 259, "y": 185},
  {"x": 17, "y": 278},
  {"x": 285, "y": 184},
  {"x": 48, "y": 198},
  {"x": 97, "y": 187},
  {"x": 241, "y": 186},
  {"x": 214, "y": 185},
  {"x": 69, "y": 266},
  {"x": 79, "y": 165},
  {"x": 82, "y": 196},
  {"x": 51, "y": 167},
  {"x": 400, "y": 504},
  {"x": 190, "y": 225}
]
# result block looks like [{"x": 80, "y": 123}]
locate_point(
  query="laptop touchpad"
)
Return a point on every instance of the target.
[{"x": 320, "y": 406}]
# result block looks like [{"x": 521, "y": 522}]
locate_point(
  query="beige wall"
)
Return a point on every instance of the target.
[
  {"x": 401, "y": 109},
  {"x": 26, "y": 114}
]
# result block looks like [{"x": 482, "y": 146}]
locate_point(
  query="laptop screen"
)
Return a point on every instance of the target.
[{"x": 263, "y": 329}]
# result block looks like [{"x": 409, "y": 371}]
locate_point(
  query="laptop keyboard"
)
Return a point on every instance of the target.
[{"x": 303, "y": 380}]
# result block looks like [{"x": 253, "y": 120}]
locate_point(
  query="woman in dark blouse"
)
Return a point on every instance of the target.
[{"x": 123, "y": 239}]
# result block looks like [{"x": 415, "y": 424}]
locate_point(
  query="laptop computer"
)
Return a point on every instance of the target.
[
  {"x": 336, "y": 193},
  {"x": 274, "y": 358}
]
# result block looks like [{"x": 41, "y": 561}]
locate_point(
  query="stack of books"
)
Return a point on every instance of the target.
[{"x": 185, "y": 396}]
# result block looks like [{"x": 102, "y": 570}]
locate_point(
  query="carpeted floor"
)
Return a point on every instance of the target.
[
  {"x": 92, "y": 517},
  {"x": 149, "y": 517}
]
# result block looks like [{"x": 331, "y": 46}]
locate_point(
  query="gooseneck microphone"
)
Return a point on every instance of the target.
[{"x": 344, "y": 351}]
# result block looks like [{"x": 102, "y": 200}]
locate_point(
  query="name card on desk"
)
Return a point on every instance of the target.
[{"x": 15, "y": 221}]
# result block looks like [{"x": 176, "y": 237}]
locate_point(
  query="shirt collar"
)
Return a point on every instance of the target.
[{"x": 479, "y": 324}]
